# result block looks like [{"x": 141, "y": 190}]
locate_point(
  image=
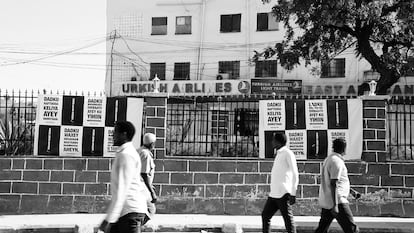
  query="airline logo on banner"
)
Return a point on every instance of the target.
[{"x": 188, "y": 87}]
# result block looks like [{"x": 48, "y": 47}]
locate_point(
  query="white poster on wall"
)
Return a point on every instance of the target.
[
  {"x": 310, "y": 135},
  {"x": 71, "y": 141},
  {"x": 50, "y": 112},
  {"x": 296, "y": 141},
  {"x": 109, "y": 148},
  {"x": 83, "y": 126},
  {"x": 316, "y": 115},
  {"x": 94, "y": 111}
]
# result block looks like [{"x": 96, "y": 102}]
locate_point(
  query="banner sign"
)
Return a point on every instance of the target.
[
  {"x": 311, "y": 126},
  {"x": 83, "y": 125},
  {"x": 185, "y": 87},
  {"x": 330, "y": 89},
  {"x": 277, "y": 86}
]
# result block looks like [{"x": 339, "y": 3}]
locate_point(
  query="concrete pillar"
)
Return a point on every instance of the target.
[
  {"x": 156, "y": 122},
  {"x": 374, "y": 131}
]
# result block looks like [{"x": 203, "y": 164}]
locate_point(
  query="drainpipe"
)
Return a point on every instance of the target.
[
  {"x": 201, "y": 43},
  {"x": 248, "y": 36}
]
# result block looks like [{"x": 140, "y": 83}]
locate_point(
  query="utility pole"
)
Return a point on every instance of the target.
[
  {"x": 113, "y": 37},
  {"x": 201, "y": 42}
]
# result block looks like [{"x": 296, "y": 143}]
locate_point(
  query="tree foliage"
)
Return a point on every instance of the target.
[{"x": 380, "y": 31}]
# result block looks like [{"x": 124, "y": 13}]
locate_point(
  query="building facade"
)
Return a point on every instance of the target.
[{"x": 205, "y": 40}]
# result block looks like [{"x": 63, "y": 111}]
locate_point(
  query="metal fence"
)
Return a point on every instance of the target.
[
  {"x": 17, "y": 120},
  {"x": 400, "y": 114},
  {"x": 217, "y": 126},
  {"x": 213, "y": 127},
  {"x": 200, "y": 126}
]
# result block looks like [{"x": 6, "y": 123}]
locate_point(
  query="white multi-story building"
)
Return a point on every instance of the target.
[{"x": 204, "y": 40}]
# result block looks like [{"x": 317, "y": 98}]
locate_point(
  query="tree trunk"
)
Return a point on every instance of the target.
[
  {"x": 389, "y": 76},
  {"x": 387, "y": 79}
]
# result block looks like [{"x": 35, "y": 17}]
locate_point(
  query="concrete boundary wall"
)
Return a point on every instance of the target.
[{"x": 195, "y": 185}]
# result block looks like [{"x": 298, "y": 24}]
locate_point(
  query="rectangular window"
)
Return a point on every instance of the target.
[
  {"x": 159, "y": 26},
  {"x": 267, "y": 22},
  {"x": 230, "y": 23},
  {"x": 230, "y": 67},
  {"x": 266, "y": 68},
  {"x": 183, "y": 25},
  {"x": 158, "y": 69},
  {"x": 182, "y": 71},
  {"x": 246, "y": 122},
  {"x": 333, "y": 69}
]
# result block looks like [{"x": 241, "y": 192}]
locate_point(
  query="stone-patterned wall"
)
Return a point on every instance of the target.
[
  {"x": 156, "y": 121},
  {"x": 54, "y": 185},
  {"x": 241, "y": 187},
  {"x": 207, "y": 185},
  {"x": 68, "y": 185},
  {"x": 374, "y": 117}
]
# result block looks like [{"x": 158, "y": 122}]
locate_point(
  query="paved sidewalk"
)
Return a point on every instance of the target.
[{"x": 87, "y": 223}]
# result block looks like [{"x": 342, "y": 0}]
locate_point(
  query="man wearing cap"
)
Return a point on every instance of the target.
[
  {"x": 148, "y": 168},
  {"x": 334, "y": 191}
]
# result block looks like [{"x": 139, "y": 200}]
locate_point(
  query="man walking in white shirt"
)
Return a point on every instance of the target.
[
  {"x": 283, "y": 186},
  {"x": 128, "y": 207},
  {"x": 334, "y": 191}
]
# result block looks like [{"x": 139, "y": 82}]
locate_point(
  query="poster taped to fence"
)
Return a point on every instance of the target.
[
  {"x": 94, "y": 111},
  {"x": 71, "y": 141},
  {"x": 311, "y": 126},
  {"x": 50, "y": 112},
  {"x": 83, "y": 126}
]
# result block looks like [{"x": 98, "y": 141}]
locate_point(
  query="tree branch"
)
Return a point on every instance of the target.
[
  {"x": 343, "y": 28},
  {"x": 392, "y": 8},
  {"x": 394, "y": 42}
]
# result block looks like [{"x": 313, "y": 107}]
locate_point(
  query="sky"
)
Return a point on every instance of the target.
[{"x": 52, "y": 45}]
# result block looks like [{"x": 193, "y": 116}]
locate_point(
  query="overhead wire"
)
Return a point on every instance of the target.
[{"x": 63, "y": 52}]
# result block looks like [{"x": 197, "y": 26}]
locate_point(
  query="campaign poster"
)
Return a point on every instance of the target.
[
  {"x": 47, "y": 143},
  {"x": 78, "y": 125},
  {"x": 93, "y": 141},
  {"x": 135, "y": 108},
  {"x": 109, "y": 149},
  {"x": 273, "y": 114},
  {"x": 295, "y": 114},
  {"x": 355, "y": 138},
  {"x": 334, "y": 134},
  {"x": 337, "y": 114},
  {"x": 116, "y": 109},
  {"x": 270, "y": 150},
  {"x": 271, "y": 120},
  {"x": 316, "y": 115},
  {"x": 297, "y": 142},
  {"x": 50, "y": 110},
  {"x": 94, "y": 111},
  {"x": 312, "y": 125},
  {"x": 70, "y": 141},
  {"x": 72, "y": 111},
  {"x": 317, "y": 144}
]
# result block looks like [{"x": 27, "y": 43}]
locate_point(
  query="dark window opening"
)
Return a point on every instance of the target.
[
  {"x": 182, "y": 71},
  {"x": 230, "y": 23}
]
